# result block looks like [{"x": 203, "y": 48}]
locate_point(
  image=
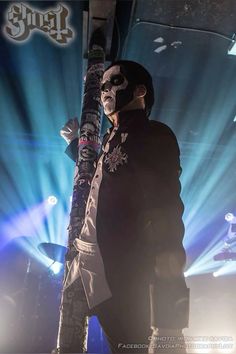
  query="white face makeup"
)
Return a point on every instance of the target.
[{"x": 113, "y": 81}]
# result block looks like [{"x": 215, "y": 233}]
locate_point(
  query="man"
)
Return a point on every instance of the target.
[{"x": 133, "y": 272}]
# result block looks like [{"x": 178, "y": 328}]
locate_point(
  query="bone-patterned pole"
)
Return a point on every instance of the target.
[{"x": 73, "y": 324}]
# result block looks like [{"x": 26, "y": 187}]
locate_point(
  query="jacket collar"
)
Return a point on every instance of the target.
[{"x": 130, "y": 121}]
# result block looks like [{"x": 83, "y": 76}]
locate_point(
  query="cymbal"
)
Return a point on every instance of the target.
[
  {"x": 53, "y": 251},
  {"x": 225, "y": 256}
]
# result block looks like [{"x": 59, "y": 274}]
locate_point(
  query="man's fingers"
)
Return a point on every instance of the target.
[
  {"x": 65, "y": 131},
  {"x": 71, "y": 124},
  {"x": 70, "y": 130}
]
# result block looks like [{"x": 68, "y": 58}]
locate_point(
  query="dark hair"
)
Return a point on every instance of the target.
[{"x": 137, "y": 75}]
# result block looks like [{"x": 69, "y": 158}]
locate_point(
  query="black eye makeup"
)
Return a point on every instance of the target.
[{"x": 115, "y": 80}]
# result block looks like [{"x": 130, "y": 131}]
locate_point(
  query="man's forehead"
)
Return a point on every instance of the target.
[{"x": 114, "y": 70}]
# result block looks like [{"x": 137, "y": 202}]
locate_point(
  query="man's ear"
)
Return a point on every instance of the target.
[{"x": 140, "y": 91}]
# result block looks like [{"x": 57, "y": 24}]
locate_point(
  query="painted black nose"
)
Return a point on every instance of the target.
[{"x": 106, "y": 86}]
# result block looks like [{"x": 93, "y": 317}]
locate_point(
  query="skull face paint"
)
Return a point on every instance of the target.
[
  {"x": 116, "y": 91},
  {"x": 87, "y": 131}
]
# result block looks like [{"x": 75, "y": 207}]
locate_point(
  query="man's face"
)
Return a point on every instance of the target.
[{"x": 116, "y": 92}]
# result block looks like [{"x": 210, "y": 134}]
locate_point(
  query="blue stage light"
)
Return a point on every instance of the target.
[
  {"x": 52, "y": 200},
  {"x": 56, "y": 267},
  {"x": 229, "y": 217}
]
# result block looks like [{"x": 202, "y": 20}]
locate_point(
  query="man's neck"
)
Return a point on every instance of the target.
[
  {"x": 133, "y": 118},
  {"x": 114, "y": 118},
  {"x": 137, "y": 103}
]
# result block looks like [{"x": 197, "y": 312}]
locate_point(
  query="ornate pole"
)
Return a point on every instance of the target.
[{"x": 73, "y": 324}]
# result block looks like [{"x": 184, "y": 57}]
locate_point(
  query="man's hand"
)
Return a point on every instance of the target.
[{"x": 70, "y": 130}]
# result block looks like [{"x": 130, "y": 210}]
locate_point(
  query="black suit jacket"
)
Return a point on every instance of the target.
[{"x": 139, "y": 217}]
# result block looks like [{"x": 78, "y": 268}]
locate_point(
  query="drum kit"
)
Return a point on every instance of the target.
[
  {"x": 53, "y": 251},
  {"x": 228, "y": 251},
  {"x": 30, "y": 295}
]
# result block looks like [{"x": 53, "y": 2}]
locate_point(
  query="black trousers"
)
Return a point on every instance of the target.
[{"x": 125, "y": 319}]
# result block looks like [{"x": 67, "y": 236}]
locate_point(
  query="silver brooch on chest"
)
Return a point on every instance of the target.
[
  {"x": 123, "y": 137},
  {"x": 115, "y": 158}
]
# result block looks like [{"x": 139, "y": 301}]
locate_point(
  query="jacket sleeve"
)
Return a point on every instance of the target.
[
  {"x": 72, "y": 149},
  {"x": 164, "y": 231}
]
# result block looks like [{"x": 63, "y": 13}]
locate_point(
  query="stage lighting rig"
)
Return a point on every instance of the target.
[
  {"x": 228, "y": 252},
  {"x": 229, "y": 217},
  {"x": 230, "y": 239}
]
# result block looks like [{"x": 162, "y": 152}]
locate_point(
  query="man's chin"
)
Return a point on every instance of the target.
[{"x": 109, "y": 114}]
